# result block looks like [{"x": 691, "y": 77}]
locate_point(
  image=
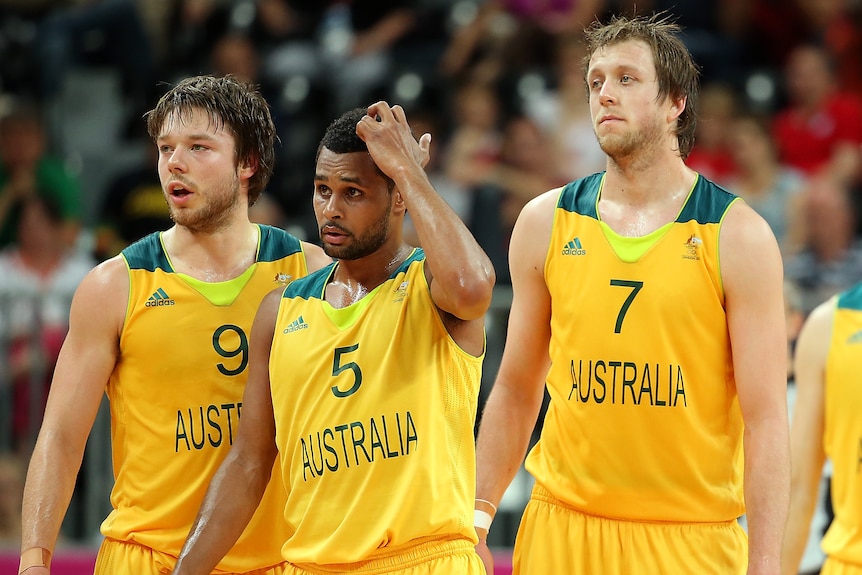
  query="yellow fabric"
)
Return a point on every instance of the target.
[
  {"x": 556, "y": 538},
  {"x": 429, "y": 557},
  {"x": 176, "y": 399},
  {"x": 842, "y": 439},
  {"x": 375, "y": 406},
  {"x": 120, "y": 558},
  {"x": 644, "y": 421},
  {"x": 833, "y": 566}
]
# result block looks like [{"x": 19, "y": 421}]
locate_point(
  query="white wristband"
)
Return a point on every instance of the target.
[{"x": 482, "y": 519}]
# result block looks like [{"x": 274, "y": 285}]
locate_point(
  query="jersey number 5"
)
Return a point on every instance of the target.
[{"x": 338, "y": 367}]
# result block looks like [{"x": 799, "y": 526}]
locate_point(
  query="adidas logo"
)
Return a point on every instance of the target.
[
  {"x": 855, "y": 338},
  {"x": 574, "y": 248},
  {"x": 296, "y": 325},
  {"x": 159, "y": 299}
]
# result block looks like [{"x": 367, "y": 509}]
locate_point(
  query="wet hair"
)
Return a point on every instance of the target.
[
  {"x": 341, "y": 138},
  {"x": 676, "y": 71},
  {"x": 234, "y": 105}
]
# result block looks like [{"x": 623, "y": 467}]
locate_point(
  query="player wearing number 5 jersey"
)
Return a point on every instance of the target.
[
  {"x": 648, "y": 301},
  {"x": 164, "y": 329},
  {"x": 365, "y": 376}
]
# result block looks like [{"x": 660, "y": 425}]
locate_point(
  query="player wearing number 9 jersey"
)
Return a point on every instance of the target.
[{"x": 164, "y": 328}]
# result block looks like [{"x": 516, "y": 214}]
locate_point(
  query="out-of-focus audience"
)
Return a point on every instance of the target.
[{"x": 39, "y": 273}]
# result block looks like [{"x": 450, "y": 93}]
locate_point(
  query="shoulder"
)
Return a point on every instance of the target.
[{"x": 310, "y": 286}]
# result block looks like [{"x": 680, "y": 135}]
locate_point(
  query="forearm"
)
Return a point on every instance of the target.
[
  {"x": 457, "y": 262},
  {"x": 802, "y": 506},
  {"x": 50, "y": 483},
  {"x": 232, "y": 498},
  {"x": 504, "y": 435},
  {"x": 767, "y": 492}
]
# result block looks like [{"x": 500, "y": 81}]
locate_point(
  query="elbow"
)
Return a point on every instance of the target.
[{"x": 475, "y": 294}]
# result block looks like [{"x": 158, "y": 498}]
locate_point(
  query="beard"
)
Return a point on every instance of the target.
[
  {"x": 214, "y": 214},
  {"x": 619, "y": 146},
  {"x": 363, "y": 245}
]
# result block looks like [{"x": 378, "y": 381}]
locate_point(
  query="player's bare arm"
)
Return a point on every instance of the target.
[
  {"x": 752, "y": 276},
  {"x": 461, "y": 275},
  {"x": 513, "y": 405},
  {"x": 86, "y": 360},
  {"x": 237, "y": 487},
  {"x": 806, "y": 434}
]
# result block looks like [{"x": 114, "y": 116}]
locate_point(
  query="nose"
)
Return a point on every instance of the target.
[
  {"x": 606, "y": 95},
  {"x": 331, "y": 208},
  {"x": 175, "y": 161}
]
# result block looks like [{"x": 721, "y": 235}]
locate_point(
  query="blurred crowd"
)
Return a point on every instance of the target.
[{"x": 498, "y": 83}]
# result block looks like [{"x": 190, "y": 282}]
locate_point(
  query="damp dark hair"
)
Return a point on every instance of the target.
[
  {"x": 234, "y": 105},
  {"x": 340, "y": 137},
  {"x": 677, "y": 74}
]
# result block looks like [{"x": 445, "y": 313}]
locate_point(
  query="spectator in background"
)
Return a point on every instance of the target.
[
  {"x": 710, "y": 155},
  {"x": 774, "y": 190},
  {"x": 11, "y": 489},
  {"x": 345, "y": 46},
  {"x": 836, "y": 25},
  {"x": 474, "y": 143},
  {"x": 564, "y": 113},
  {"x": 820, "y": 129},
  {"x": 830, "y": 260},
  {"x": 28, "y": 170},
  {"x": 38, "y": 276},
  {"x": 132, "y": 207},
  {"x": 512, "y": 36}
]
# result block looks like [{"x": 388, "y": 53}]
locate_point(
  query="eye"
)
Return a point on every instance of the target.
[
  {"x": 595, "y": 84},
  {"x": 198, "y": 147},
  {"x": 165, "y": 149},
  {"x": 625, "y": 79},
  {"x": 322, "y": 190},
  {"x": 353, "y": 193}
]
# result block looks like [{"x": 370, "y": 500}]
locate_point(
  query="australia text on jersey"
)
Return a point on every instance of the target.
[{"x": 613, "y": 381}]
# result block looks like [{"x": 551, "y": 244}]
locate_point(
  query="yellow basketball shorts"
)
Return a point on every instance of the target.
[
  {"x": 556, "y": 538},
  {"x": 834, "y": 566},
  {"x": 434, "y": 557},
  {"x": 124, "y": 558}
]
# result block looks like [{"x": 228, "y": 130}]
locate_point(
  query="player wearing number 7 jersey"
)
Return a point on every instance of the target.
[
  {"x": 365, "y": 376},
  {"x": 163, "y": 328},
  {"x": 648, "y": 301}
]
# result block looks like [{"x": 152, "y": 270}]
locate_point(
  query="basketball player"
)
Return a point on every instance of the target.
[
  {"x": 365, "y": 376},
  {"x": 163, "y": 329},
  {"x": 826, "y": 423},
  {"x": 649, "y": 301}
]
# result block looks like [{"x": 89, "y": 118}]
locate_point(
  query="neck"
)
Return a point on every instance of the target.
[
  {"x": 354, "y": 279},
  {"x": 212, "y": 256}
]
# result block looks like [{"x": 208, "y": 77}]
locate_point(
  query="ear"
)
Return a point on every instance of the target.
[
  {"x": 247, "y": 170},
  {"x": 676, "y": 108},
  {"x": 398, "y": 206}
]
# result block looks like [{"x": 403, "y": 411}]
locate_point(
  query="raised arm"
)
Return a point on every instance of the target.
[
  {"x": 238, "y": 486},
  {"x": 84, "y": 366},
  {"x": 461, "y": 275},
  {"x": 806, "y": 433},
  {"x": 752, "y": 274},
  {"x": 510, "y": 413}
]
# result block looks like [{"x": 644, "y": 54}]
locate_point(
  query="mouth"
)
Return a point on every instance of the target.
[
  {"x": 178, "y": 190},
  {"x": 333, "y": 234}
]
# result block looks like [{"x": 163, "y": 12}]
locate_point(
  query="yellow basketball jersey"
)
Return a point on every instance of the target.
[
  {"x": 644, "y": 421},
  {"x": 176, "y": 397},
  {"x": 842, "y": 439},
  {"x": 374, "y": 408}
]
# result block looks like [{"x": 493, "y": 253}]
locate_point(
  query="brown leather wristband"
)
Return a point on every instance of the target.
[{"x": 34, "y": 557}]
